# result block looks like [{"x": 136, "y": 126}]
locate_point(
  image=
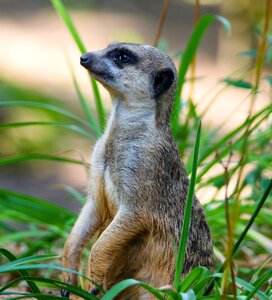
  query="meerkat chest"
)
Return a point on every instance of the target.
[{"x": 121, "y": 151}]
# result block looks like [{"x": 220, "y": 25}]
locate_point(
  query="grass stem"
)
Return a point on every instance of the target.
[
  {"x": 161, "y": 22},
  {"x": 187, "y": 214}
]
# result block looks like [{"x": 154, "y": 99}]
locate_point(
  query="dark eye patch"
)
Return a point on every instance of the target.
[{"x": 121, "y": 57}]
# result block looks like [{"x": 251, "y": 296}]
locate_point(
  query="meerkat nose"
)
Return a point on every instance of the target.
[{"x": 85, "y": 59}]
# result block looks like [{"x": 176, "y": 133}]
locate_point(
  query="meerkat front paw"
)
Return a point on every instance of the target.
[
  {"x": 64, "y": 293},
  {"x": 69, "y": 279},
  {"x": 94, "y": 289}
]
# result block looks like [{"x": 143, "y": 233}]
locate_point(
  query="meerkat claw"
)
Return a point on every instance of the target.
[
  {"x": 65, "y": 293},
  {"x": 94, "y": 291}
]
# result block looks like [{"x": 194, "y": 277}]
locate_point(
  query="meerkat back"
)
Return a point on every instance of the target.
[{"x": 138, "y": 183}]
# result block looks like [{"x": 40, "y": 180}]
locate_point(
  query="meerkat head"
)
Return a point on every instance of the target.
[{"x": 140, "y": 75}]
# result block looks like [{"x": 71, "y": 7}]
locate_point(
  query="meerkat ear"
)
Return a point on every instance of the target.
[{"x": 162, "y": 81}]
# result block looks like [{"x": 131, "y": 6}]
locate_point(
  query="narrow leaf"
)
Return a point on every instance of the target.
[
  {"x": 244, "y": 233},
  {"x": 238, "y": 83},
  {"x": 121, "y": 286},
  {"x": 252, "y": 218},
  {"x": 20, "y": 261},
  {"x": 45, "y": 106},
  {"x": 187, "y": 214},
  {"x": 36, "y": 209},
  {"x": 59, "y": 124},
  {"x": 193, "y": 278},
  {"x": 61, "y": 10},
  {"x": 259, "y": 283},
  {"x": 56, "y": 283},
  {"x": 86, "y": 108},
  {"x": 187, "y": 58},
  {"x": 13, "y": 258},
  {"x": 34, "y": 156},
  {"x": 77, "y": 195}
]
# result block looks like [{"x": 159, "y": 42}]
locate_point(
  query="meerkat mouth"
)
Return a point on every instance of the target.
[{"x": 100, "y": 75}]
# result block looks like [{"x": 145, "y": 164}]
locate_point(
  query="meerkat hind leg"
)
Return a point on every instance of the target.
[{"x": 146, "y": 259}]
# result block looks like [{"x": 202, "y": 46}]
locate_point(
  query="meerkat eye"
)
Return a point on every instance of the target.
[{"x": 121, "y": 57}]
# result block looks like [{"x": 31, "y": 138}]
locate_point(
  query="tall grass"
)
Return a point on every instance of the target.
[{"x": 240, "y": 222}]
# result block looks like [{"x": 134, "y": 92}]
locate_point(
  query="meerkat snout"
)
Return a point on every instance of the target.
[{"x": 85, "y": 59}]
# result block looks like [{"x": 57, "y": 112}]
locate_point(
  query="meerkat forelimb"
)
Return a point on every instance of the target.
[{"x": 85, "y": 227}]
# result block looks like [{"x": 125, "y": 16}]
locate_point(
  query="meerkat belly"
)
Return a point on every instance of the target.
[{"x": 100, "y": 183}]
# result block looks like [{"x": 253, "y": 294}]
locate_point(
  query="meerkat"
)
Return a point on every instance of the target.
[{"x": 138, "y": 184}]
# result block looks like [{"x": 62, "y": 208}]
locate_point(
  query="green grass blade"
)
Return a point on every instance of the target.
[
  {"x": 38, "y": 210},
  {"x": 252, "y": 218},
  {"x": 36, "y": 267},
  {"x": 13, "y": 258},
  {"x": 211, "y": 150},
  {"x": 190, "y": 295},
  {"x": 244, "y": 233},
  {"x": 17, "y": 262},
  {"x": 56, "y": 283},
  {"x": 34, "y": 296},
  {"x": 259, "y": 283},
  {"x": 238, "y": 83},
  {"x": 264, "y": 266},
  {"x": 83, "y": 102},
  {"x": 59, "y": 124},
  {"x": 263, "y": 113},
  {"x": 34, "y": 156},
  {"x": 20, "y": 267},
  {"x": 44, "y": 106},
  {"x": 250, "y": 288},
  {"x": 187, "y": 214},
  {"x": 121, "y": 286},
  {"x": 99, "y": 106},
  {"x": 187, "y": 58},
  {"x": 21, "y": 235},
  {"x": 242, "y": 284},
  {"x": 193, "y": 278},
  {"x": 76, "y": 194},
  {"x": 86, "y": 107},
  {"x": 61, "y": 10}
]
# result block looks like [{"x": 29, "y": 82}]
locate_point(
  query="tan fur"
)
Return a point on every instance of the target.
[{"x": 138, "y": 184}]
